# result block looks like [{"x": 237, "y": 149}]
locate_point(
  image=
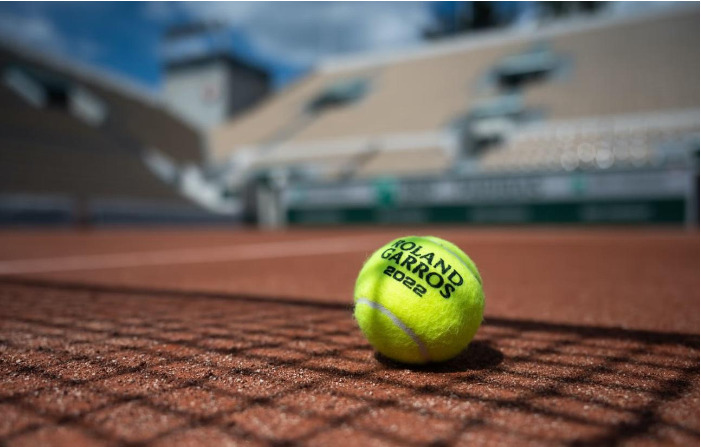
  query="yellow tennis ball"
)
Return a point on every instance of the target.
[{"x": 419, "y": 300}]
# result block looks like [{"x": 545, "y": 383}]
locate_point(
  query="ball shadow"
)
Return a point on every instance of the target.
[{"x": 478, "y": 355}]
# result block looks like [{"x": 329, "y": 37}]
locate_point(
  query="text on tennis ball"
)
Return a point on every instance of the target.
[{"x": 430, "y": 268}]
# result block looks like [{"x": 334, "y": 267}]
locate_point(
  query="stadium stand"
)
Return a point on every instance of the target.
[
  {"x": 635, "y": 141},
  {"x": 642, "y": 66},
  {"x": 484, "y": 90},
  {"x": 588, "y": 94},
  {"x": 75, "y": 146}
]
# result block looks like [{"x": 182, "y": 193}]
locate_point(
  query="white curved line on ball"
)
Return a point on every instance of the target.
[{"x": 400, "y": 324}]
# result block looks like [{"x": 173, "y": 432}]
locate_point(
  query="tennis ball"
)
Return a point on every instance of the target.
[{"x": 419, "y": 300}]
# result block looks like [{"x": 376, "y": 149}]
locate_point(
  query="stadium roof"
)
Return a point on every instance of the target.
[
  {"x": 205, "y": 59},
  {"x": 500, "y": 36},
  {"x": 104, "y": 78}
]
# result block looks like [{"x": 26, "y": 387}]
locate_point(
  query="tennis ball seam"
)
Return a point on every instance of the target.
[{"x": 423, "y": 349}]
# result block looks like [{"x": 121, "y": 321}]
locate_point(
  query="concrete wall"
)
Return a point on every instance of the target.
[{"x": 208, "y": 94}]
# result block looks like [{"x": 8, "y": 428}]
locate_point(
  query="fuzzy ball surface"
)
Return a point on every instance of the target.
[{"x": 419, "y": 299}]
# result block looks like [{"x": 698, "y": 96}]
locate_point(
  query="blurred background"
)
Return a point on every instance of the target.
[{"x": 287, "y": 114}]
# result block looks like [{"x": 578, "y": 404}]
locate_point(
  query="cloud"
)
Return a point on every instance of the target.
[
  {"x": 636, "y": 6},
  {"x": 304, "y": 33},
  {"x": 38, "y": 32},
  {"x": 34, "y": 31},
  {"x": 158, "y": 11}
]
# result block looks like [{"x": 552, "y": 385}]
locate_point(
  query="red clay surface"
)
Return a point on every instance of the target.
[{"x": 591, "y": 338}]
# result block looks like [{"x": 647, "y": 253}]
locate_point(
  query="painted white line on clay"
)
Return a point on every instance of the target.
[{"x": 244, "y": 252}]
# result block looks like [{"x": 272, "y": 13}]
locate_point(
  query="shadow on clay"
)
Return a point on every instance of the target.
[{"x": 477, "y": 356}]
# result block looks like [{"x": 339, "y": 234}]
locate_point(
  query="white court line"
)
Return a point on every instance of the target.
[{"x": 264, "y": 250}]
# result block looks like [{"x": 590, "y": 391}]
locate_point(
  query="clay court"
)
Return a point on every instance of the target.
[{"x": 236, "y": 337}]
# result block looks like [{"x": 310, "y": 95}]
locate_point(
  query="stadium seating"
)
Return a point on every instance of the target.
[
  {"x": 633, "y": 67},
  {"x": 47, "y": 150},
  {"x": 586, "y": 68},
  {"x": 615, "y": 141}
]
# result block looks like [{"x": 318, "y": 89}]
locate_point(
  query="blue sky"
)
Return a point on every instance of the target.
[
  {"x": 284, "y": 38},
  {"x": 116, "y": 36}
]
